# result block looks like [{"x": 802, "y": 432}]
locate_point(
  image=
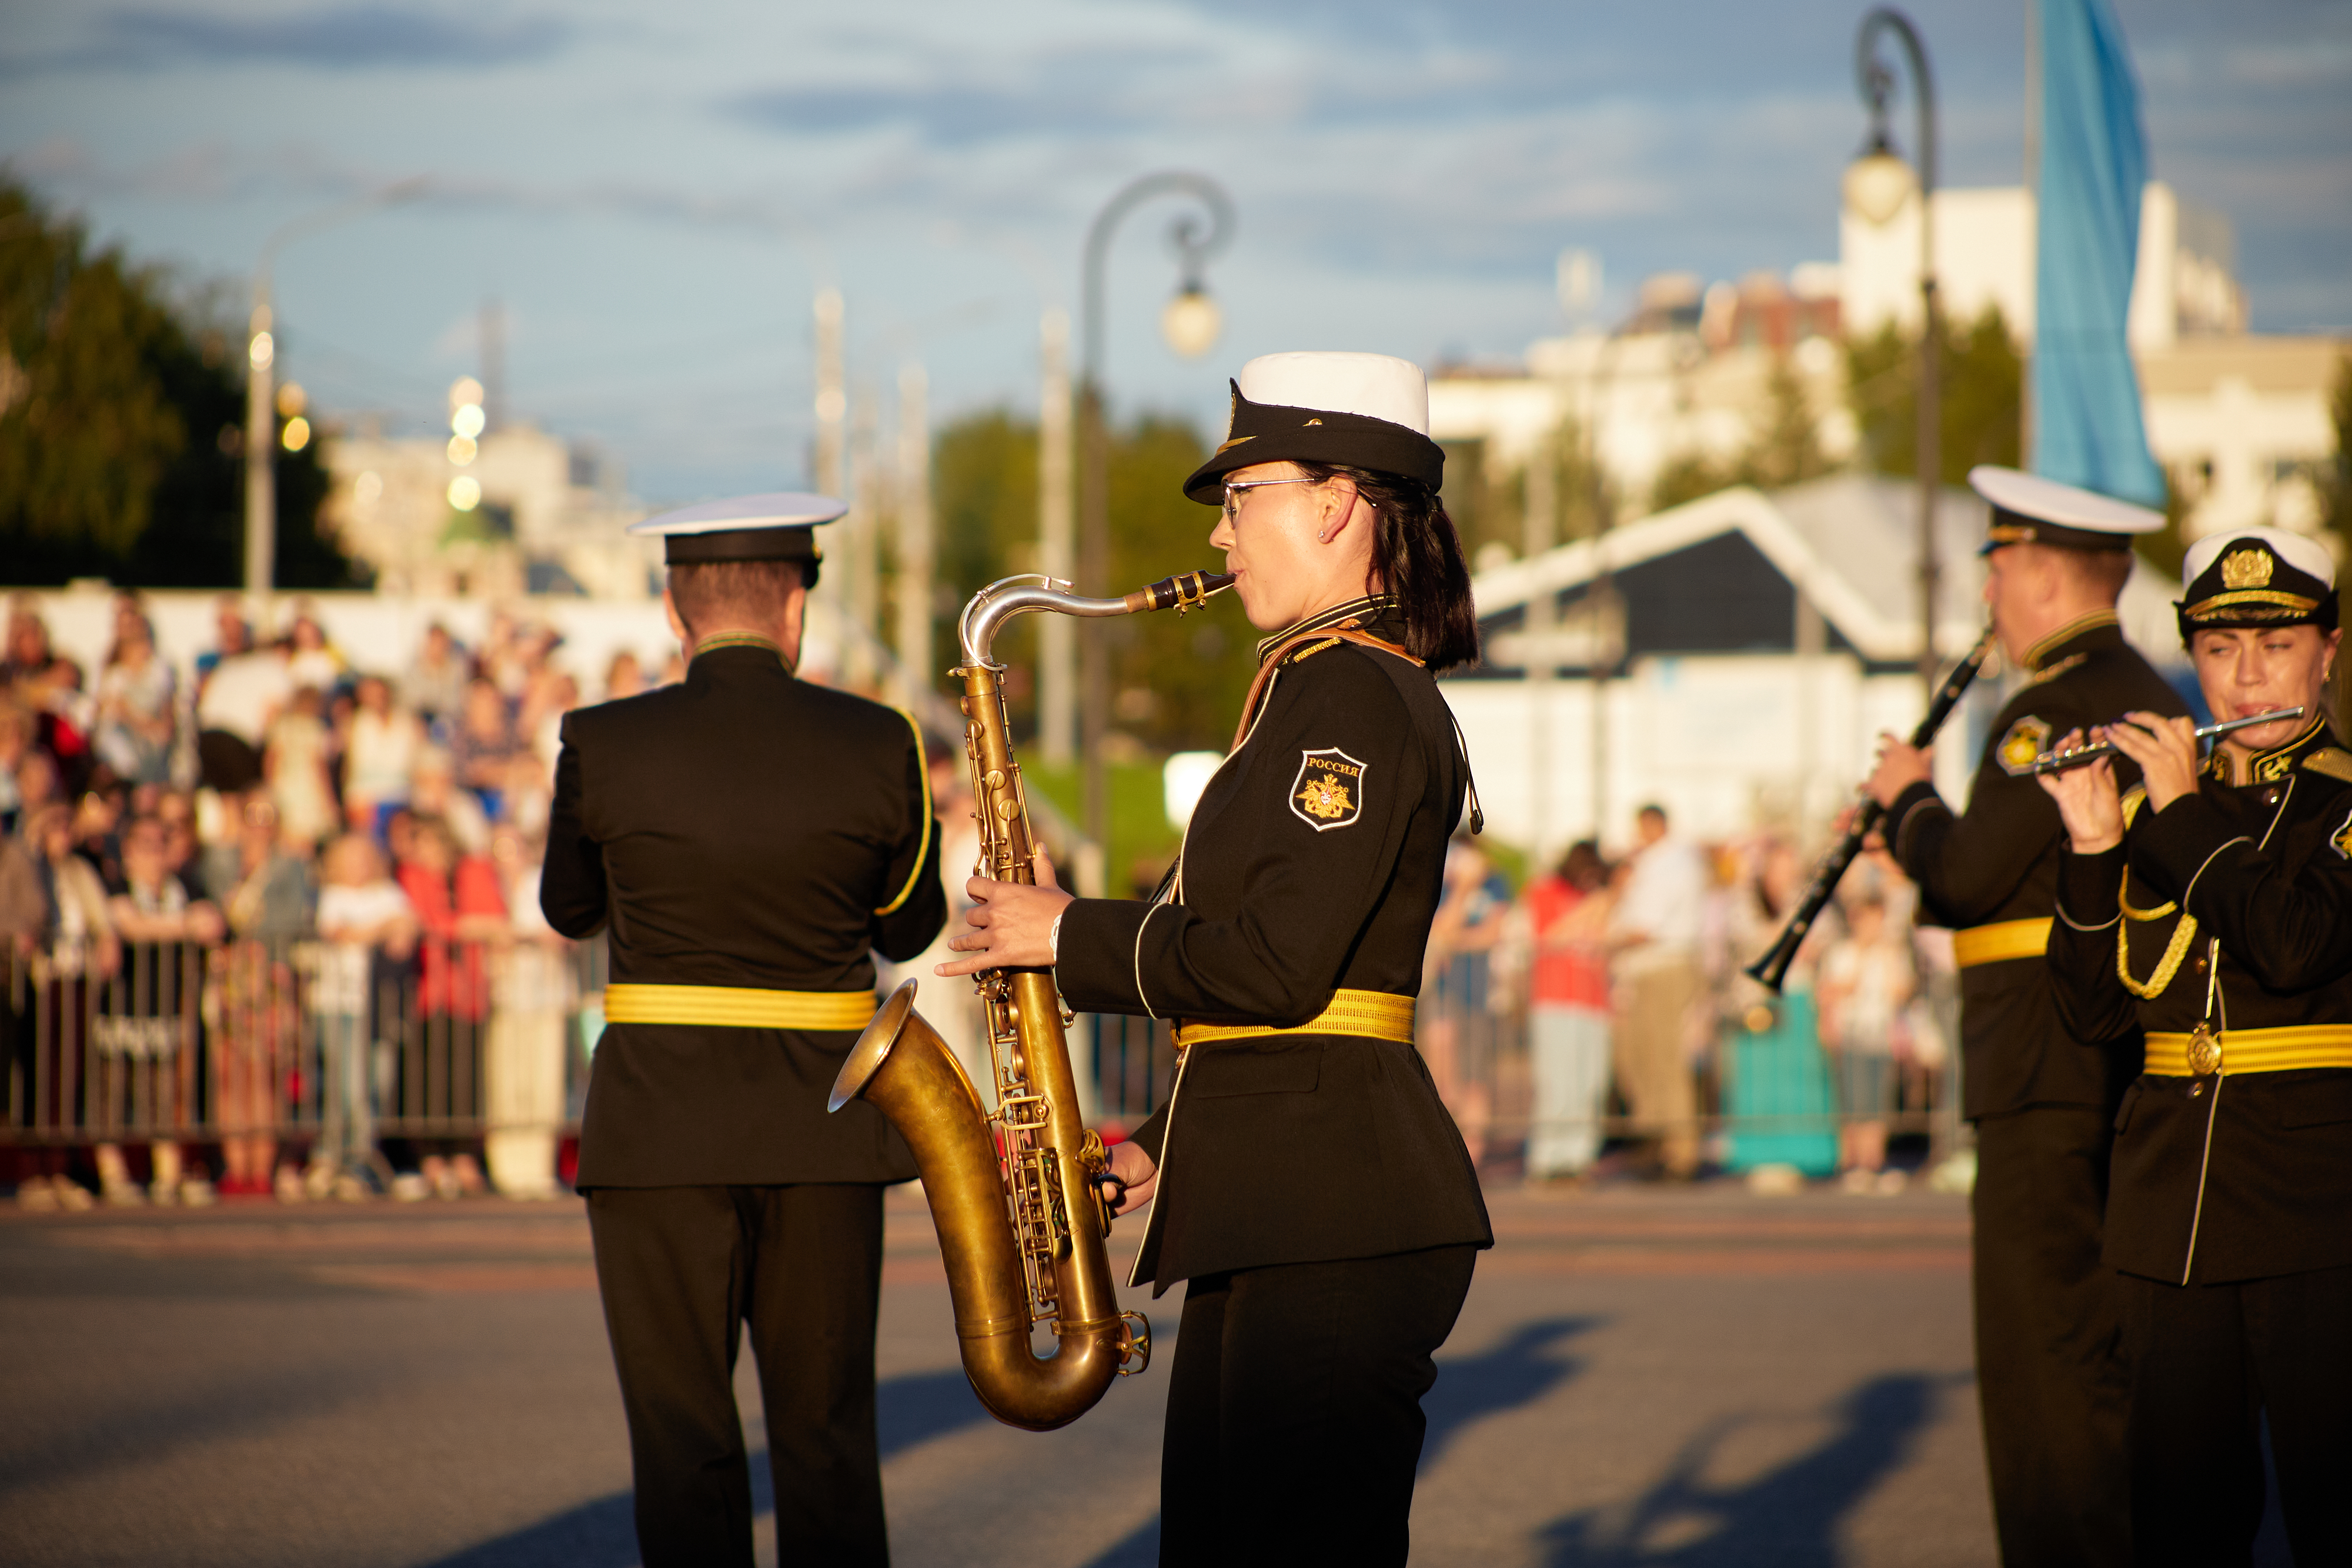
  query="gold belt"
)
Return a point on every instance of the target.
[
  {"x": 2007, "y": 939},
  {"x": 1374, "y": 1015},
  {"x": 2256, "y": 1049},
  {"x": 737, "y": 1006}
]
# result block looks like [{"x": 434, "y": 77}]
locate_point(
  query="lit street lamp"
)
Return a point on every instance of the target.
[
  {"x": 260, "y": 405},
  {"x": 1877, "y": 184},
  {"x": 1190, "y": 325}
]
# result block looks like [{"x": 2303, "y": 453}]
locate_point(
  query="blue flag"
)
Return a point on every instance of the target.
[{"x": 2086, "y": 407}]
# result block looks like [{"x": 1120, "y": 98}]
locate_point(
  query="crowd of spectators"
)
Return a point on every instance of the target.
[
  {"x": 284, "y": 901},
  {"x": 1646, "y": 1050}
]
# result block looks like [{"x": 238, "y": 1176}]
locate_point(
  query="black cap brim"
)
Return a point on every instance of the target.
[{"x": 1270, "y": 432}]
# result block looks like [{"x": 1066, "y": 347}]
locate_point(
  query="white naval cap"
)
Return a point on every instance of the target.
[
  {"x": 1377, "y": 386},
  {"x": 2304, "y": 553},
  {"x": 1358, "y": 411},
  {"x": 2029, "y": 509},
  {"x": 776, "y": 524}
]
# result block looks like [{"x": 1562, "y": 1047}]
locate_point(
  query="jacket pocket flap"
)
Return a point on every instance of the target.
[
  {"x": 1254, "y": 1068},
  {"x": 2317, "y": 1103}
]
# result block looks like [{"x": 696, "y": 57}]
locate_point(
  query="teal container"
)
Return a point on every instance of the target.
[{"x": 1778, "y": 1102}]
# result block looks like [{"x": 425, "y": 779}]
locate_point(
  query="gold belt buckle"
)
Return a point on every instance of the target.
[{"x": 2204, "y": 1050}]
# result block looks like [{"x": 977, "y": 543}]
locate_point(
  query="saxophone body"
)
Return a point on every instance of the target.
[{"x": 1022, "y": 1221}]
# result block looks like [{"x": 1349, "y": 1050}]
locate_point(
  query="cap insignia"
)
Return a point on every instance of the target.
[
  {"x": 2246, "y": 569},
  {"x": 1329, "y": 792},
  {"x": 1314, "y": 422}
]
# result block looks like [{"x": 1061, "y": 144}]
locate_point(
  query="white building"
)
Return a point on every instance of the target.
[
  {"x": 2239, "y": 420},
  {"x": 1754, "y": 646},
  {"x": 550, "y": 518}
]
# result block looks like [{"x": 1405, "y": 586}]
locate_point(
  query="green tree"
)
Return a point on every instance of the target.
[
  {"x": 1177, "y": 682},
  {"x": 122, "y": 409},
  {"x": 1982, "y": 386},
  {"x": 1686, "y": 477}
]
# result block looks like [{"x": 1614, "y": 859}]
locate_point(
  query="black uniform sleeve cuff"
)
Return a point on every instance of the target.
[
  {"x": 2173, "y": 845},
  {"x": 2090, "y": 887},
  {"x": 1095, "y": 967},
  {"x": 1898, "y": 815}
]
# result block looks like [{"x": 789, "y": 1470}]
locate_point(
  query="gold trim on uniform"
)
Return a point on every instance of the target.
[
  {"x": 737, "y": 1006},
  {"x": 2065, "y": 634},
  {"x": 2176, "y": 951},
  {"x": 1373, "y": 1015},
  {"x": 2242, "y": 1050},
  {"x": 923, "y": 831},
  {"x": 2004, "y": 939}
]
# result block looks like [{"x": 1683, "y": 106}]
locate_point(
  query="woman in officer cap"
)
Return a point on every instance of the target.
[
  {"x": 2212, "y": 906},
  {"x": 1304, "y": 1176}
]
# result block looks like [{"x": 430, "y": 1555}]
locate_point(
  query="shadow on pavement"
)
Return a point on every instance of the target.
[
  {"x": 602, "y": 1534},
  {"x": 1519, "y": 1371},
  {"x": 1788, "y": 1516}
]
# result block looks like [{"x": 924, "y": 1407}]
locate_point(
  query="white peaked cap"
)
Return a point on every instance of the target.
[
  {"x": 2301, "y": 552},
  {"x": 2042, "y": 500},
  {"x": 773, "y": 509},
  {"x": 1377, "y": 386}
]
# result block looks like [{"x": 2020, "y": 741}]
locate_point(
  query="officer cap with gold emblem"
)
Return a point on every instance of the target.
[
  {"x": 2256, "y": 578},
  {"x": 2029, "y": 509},
  {"x": 1358, "y": 411},
  {"x": 780, "y": 525}
]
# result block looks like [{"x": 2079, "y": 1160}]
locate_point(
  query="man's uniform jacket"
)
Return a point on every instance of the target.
[
  {"x": 2244, "y": 1174},
  {"x": 1314, "y": 863},
  {"x": 1998, "y": 863},
  {"x": 744, "y": 829}
]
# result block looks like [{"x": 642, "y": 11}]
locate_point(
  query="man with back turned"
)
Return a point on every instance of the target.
[
  {"x": 747, "y": 841},
  {"x": 2049, "y": 1381}
]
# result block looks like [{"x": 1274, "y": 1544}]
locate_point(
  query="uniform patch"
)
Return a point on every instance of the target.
[
  {"x": 2341, "y": 837},
  {"x": 2028, "y": 739},
  {"x": 1330, "y": 790}
]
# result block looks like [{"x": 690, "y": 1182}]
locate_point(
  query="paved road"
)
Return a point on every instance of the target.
[{"x": 1694, "y": 1377}]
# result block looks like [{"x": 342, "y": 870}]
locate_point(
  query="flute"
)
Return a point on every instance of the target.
[{"x": 2054, "y": 761}]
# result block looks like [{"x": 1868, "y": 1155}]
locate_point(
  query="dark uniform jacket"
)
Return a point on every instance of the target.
[
  {"x": 2241, "y": 1174},
  {"x": 745, "y": 829},
  {"x": 1314, "y": 862},
  {"x": 1998, "y": 863}
]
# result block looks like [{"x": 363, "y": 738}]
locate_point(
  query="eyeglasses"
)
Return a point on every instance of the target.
[{"x": 1234, "y": 488}]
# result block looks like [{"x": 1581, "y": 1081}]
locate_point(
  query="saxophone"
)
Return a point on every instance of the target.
[{"x": 1014, "y": 1196}]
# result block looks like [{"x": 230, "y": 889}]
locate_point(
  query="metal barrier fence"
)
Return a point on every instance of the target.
[
  {"x": 342, "y": 1047},
  {"x": 295, "y": 1039}
]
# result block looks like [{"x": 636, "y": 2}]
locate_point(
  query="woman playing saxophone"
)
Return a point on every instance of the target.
[{"x": 1304, "y": 1177}]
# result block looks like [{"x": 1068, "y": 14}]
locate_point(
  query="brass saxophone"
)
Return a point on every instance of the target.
[{"x": 1014, "y": 1196}]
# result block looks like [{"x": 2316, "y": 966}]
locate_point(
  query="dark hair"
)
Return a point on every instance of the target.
[
  {"x": 711, "y": 593},
  {"x": 1417, "y": 556}
]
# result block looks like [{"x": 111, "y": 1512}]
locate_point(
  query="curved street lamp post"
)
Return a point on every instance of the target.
[
  {"x": 261, "y": 358},
  {"x": 1877, "y": 184},
  {"x": 1189, "y": 324}
]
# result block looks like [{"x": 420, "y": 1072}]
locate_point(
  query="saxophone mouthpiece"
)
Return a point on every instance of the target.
[{"x": 1179, "y": 593}]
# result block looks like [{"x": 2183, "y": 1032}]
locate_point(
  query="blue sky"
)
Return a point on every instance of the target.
[{"x": 653, "y": 191}]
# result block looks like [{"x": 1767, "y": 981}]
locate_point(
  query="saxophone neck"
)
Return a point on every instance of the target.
[{"x": 987, "y": 611}]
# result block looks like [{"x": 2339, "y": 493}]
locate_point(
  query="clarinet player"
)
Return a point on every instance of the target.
[
  {"x": 2049, "y": 1383},
  {"x": 1304, "y": 1180}
]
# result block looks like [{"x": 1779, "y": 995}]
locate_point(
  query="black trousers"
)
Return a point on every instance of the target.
[
  {"x": 2208, "y": 1363},
  {"x": 1294, "y": 1409},
  {"x": 2050, "y": 1382},
  {"x": 682, "y": 1269}
]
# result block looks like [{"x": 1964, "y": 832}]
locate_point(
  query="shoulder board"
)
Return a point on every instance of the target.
[
  {"x": 1310, "y": 650},
  {"x": 2133, "y": 799},
  {"x": 2332, "y": 760}
]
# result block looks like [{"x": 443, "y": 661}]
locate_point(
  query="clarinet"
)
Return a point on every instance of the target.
[{"x": 1773, "y": 967}]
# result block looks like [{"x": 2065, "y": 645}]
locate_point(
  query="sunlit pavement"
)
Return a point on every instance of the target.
[{"x": 1643, "y": 1375}]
